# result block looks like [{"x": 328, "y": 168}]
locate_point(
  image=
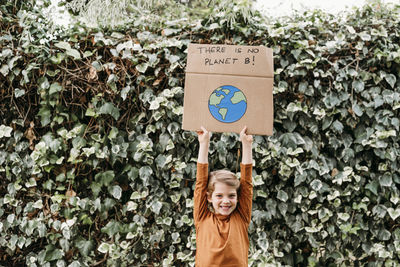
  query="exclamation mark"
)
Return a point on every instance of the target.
[{"x": 254, "y": 59}]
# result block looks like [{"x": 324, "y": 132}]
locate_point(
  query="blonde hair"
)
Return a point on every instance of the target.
[{"x": 222, "y": 176}]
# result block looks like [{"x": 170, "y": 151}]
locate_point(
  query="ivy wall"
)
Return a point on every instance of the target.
[{"x": 95, "y": 169}]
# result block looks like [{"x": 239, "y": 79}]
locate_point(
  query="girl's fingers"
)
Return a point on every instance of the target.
[
  {"x": 243, "y": 132},
  {"x": 244, "y": 136}
]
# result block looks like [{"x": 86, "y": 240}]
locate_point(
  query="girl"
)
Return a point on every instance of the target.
[{"x": 221, "y": 231}]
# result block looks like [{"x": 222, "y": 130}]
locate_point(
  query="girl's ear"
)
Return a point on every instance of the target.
[{"x": 209, "y": 197}]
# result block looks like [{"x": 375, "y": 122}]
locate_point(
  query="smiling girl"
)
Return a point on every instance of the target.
[{"x": 222, "y": 208}]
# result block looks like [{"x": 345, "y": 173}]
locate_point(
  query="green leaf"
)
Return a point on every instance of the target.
[
  {"x": 337, "y": 126},
  {"x": 103, "y": 248},
  {"x": 145, "y": 172},
  {"x": 214, "y": 26},
  {"x": 394, "y": 213},
  {"x": 75, "y": 264},
  {"x": 53, "y": 253},
  {"x": 384, "y": 235},
  {"x": 85, "y": 246},
  {"x": 160, "y": 161},
  {"x": 373, "y": 187},
  {"x": 90, "y": 112},
  {"x": 55, "y": 88},
  {"x": 45, "y": 115},
  {"x": 111, "y": 228},
  {"x": 358, "y": 86},
  {"x": 391, "y": 79},
  {"x": 4, "y": 70},
  {"x": 357, "y": 110},
  {"x": 73, "y": 53},
  {"x": 282, "y": 195},
  {"x": 87, "y": 54},
  {"x": 63, "y": 45},
  {"x": 142, "y": 67},
  {"x": 116, "y": 191},
  {"x": 343, "y": 216},
  {"x": 109, "y": 108},
  {"x": 125, "y": 91},
  {"x": 57, "y": 59},
  {"x": 5, "y": 131},
  {"x": 316, "y": 185},
  {"x": 386, "y": 180},
  {"x": 18, "y": 92},
  {"x": 105, "y": 178},
  {"x": 156, "y": 207},
  {"x": 365, "y": 36}
]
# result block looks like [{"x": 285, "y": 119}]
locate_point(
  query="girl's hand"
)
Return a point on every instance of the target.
[
  {"x": 203, "y": 136},
  {"x": 247, "y": 139},
  {"x": 247, "y": 151}
]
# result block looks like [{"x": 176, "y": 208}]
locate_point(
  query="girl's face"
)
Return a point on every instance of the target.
[{"x": 223, "y": 199}]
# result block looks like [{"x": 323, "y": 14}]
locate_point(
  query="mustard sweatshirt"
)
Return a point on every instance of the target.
[{"x": 222, "y": 240}]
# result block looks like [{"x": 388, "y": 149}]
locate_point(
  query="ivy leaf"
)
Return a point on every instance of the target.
[
  {"x": 85, "y": 246},
  {"x": 103, "y": 248},
  {"x": 338, "y": 126},
  {"x": 105, "y": 178},
  {"x": 55, "y": 88},
  {"x": 53, "y": 253},
  {"x": 386, "y": 180},
  {"x": 63, "y": 45},
  {"x": 357, "y": 110},
  {"x": 111, "y": 228},
  {"x": 316, "y": 185},
  {"x": 116, "y": 191},
  {"x": 393, "y": 213},
  {"x": 160, "y": 161},
  {"x": 45, "y": 115},
  {"x": 19, "y": 92},
  {"x": 391, "y": 79},
  {"x": 73, "y": 53},
  {"x": 282, "y": 195},
  {"x": 145, "y": 172},
  {"x": 5, "y": 131},
  {"x": 142, "y": 67},
  {"x": 358, "y": 86},
  {"x": 156, "y": 207},
  {"x": 68, "y": 49},
  {"x": 384, "y": 235},
  {"x": 109, "y": 108},
  {"x": 365, "y": 36},
  {"x": 373, "y": 187},
  {"x": 4, "y": 70}
]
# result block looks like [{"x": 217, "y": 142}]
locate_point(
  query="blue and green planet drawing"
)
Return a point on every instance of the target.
[{"x": 227, "y": 104}]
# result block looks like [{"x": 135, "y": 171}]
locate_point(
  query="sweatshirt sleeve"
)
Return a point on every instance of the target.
[
  {"x": 200, "y": 192},
  {"x": 245, "y": 192}
]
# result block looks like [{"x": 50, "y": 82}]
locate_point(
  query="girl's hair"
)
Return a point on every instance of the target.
[{"x": 222, "y": 176}]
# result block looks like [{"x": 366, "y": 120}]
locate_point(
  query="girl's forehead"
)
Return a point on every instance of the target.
[{"x": 222, "y": 187}]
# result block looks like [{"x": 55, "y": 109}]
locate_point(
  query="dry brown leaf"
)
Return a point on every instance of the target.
[
  {"x": 30, "y": 135},
  {"x": 92, "y": 74},
  {"x": 157, "y": 82},
  {"x": 334, "y": 172},
  {"x": 70, "y": 193}
]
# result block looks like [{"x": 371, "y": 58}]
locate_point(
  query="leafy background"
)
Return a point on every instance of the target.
[{"x": 96, "y": 170}]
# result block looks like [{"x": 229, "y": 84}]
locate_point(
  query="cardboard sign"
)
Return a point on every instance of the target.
[{"x": 228, "y": 87}]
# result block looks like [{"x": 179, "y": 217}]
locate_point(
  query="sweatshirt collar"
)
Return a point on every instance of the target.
[{"x": 222, "y": 217}]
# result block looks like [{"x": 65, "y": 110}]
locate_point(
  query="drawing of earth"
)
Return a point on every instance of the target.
[{"x": 227, "y": 104}]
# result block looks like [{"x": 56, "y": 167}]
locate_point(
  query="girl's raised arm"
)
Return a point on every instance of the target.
[{"x": 245, "y": 197}]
